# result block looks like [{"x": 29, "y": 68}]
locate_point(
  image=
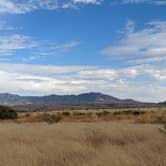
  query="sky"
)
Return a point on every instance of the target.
[{"x": 116, "y": 47}]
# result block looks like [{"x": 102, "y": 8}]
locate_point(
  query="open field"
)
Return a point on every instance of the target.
[
  {"x": 82, "y": 144},
  {"x": 111, "y": 137}
]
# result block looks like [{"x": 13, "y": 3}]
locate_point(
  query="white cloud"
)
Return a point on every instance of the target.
[
  {"x": 10, "y": 44},
  {"x": 47, "y": 49},
  {"x": 155, "y": 2},
  {"x": 24, "y": 6},
  {"x": 7, "y": 6},
  {"x": 143, "y": 46},
  {"x": 146, "y": 83},
  {"x": 58, "y": 48},
  {"x": 4, "y": 26},
  {"x": 88, "y": 1}
]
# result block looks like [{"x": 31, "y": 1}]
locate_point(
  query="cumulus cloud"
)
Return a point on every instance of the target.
[
  {"x": 143, "y": 46},
  {"x": 123, "y": 83}
]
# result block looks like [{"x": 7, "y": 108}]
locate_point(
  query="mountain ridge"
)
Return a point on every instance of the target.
[{"x": 81, "y": 99}]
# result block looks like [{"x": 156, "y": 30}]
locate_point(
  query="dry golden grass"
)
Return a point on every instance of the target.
[
  {"x": 82, "y": 144},
  {"x": 139, "y": 115}
]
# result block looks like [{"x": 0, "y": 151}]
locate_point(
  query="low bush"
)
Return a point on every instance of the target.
[
  {"x": 51, "y": 118},
  {"x": 66, "y": 113},
  {"x": 7, "y": 113},
  {"x": 104, "y": 113},
  {"x": 89, "y": 113},
  {"x": 27, "y": 115},
  {"x": 138, "y": 112},
  {"x": 79, "y": 113},
  {"x": 129, "y": 112}
]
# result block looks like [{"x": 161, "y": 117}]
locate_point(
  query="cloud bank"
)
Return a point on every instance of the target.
[{"x": 146, "y": 83}]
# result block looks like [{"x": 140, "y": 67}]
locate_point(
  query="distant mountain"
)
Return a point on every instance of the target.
[
  {"x": 6, "y": 98},
  {"x": 82, "y": 99},
  {"x": 162, "y": 103}
]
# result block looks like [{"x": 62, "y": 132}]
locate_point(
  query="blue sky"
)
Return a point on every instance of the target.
[{"x": 116, "y": 47}]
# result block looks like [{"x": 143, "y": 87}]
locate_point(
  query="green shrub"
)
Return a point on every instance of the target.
[{"x": 7, "y": 113}]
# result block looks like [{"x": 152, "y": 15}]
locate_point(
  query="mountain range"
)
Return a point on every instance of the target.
[
  {"x": 82, "y": 99},
  {"x": 61, "y": 102}
]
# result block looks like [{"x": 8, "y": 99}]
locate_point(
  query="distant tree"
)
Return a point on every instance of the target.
[{"x": 7, "y": 113}]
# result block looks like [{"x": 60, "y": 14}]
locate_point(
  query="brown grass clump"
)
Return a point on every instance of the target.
[
  {"x": 163, "y": 129},
  {"x": 50, "y": 118},
  {"x": 152, "y": 118},
  {"x": 40, "y": 117}
]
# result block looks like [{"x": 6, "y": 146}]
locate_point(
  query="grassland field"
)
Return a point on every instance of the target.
[{"x": 109, "y": 137}]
